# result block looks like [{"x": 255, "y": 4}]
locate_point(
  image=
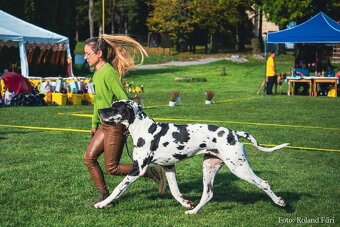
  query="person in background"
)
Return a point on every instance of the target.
[
  {"x": 270, "y": 73},
  {"x": 325, "y": 87},
  {"x": 302, "y": 72},
  {"x": 322, "y": 61},
  {"x": 111, "y": 57}
]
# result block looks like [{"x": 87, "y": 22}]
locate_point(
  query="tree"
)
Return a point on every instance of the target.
[
  {"x": 182, "y": 17},
  {"x": 173, "y": 17},
  {"x": 282, "y": 12}
]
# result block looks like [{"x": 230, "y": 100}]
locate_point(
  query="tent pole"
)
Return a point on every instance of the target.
[{"x": 23, "y": 59}]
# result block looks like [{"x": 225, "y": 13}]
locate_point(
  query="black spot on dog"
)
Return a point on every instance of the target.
[
  {"x": 165, "y": 144},
  {"x": 146, "y": 161},
  {"x": 152, "y": 128},
  {"x": 209, "y": 187},
  {"x": 182, "y": 136},
  {"x": 181, "y": 147},
  {"x": 214, "y": 140},
  {"x": 135, "y": 169},
  {"x": 220, "y": 133},
  {"x": 231, "y": 139},
  {"x": 140, "y": 142},
  {"x": 203, "y": 145},
  {"x": 157, "y": 137},
  {"x": 212, "y": 128},
  {"x": 180, "y": 156},
  {"x": 213, "y": 151}
]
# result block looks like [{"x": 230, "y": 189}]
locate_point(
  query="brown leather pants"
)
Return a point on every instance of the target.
[{"x": 110, "y": 140}]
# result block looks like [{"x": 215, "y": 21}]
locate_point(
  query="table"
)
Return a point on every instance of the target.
[
  {"x": 319, "y": 80},
  {"x": 292, "y": 80}
]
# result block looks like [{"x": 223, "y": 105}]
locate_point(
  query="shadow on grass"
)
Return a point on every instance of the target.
[
  {"x": 226, "y": 191},
  {"x": 4, "y": 136}
]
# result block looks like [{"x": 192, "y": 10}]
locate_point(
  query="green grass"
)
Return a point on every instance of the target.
[{"x": 44, "y": 182}]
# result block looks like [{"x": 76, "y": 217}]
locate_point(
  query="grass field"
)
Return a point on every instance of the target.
[{"x": 44, "y": 182}]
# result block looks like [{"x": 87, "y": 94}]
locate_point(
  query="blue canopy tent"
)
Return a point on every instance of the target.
[
  {"x": 319, "y": 29},
  {"x": 17, "y": 30}
]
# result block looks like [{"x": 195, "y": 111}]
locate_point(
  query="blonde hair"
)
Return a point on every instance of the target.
[{"x": 120, "y": 51}]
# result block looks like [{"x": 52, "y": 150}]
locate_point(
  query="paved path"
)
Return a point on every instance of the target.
[{"x": 180, "y": 63}]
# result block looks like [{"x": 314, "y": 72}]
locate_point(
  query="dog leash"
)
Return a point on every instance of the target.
[
  {"x": 126, "y": 133},
  {"x": 127, "y": 150}
]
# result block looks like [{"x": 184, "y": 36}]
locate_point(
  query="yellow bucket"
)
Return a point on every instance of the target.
[
  {"x": 74, "y": 99},
  {"x": 59, "y": 99},
  {"x": 331, "y": 92},
  {"x": 77, "y": 99}
]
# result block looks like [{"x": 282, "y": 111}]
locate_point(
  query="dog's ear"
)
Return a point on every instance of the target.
[{"x": 136, "y": 109}]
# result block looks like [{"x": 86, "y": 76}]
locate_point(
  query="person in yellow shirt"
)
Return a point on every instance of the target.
[{"x": 270, "y": 73}]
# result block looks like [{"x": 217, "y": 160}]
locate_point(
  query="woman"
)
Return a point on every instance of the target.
[{"x": 111, "y": 57}]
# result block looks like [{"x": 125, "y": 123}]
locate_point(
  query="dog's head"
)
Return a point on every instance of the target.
[{"x": 124, "y": 111}]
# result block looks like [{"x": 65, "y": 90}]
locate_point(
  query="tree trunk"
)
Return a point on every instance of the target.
[
  {"x": 240, "y": 31},
  {"x": 260, "y": 31},
  {"x": 215, "y": 42},
  {"x": 91, "y": 18},
  {"x": 237, "y": 37},
  {"x": 112, "y": 15}
]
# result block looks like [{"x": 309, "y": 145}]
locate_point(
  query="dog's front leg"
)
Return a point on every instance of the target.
[
  {"x": 170, "y": 173},
  {"x": 135, "y": 173},
  {"x": 117, "y": 191}
]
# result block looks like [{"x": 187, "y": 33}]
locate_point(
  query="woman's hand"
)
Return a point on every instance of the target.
[{"x": 93, "y": 131}]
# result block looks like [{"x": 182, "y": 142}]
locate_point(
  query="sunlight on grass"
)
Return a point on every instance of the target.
[{"x": 44, "y": 182}]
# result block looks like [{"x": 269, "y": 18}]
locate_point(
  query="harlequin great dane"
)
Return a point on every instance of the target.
[{"x": 166, "y": 144}]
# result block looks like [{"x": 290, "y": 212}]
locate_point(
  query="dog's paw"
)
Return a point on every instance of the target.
[
  {"x": 99, "y": 205},
  {"x": 191, "y": 212},
  {"x": 188, "y": 204},
  {"x": 281, "y": 202}
]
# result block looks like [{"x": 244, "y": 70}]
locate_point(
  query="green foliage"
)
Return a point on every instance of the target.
[
  {"x": 179, "y": 17},
  {"x": 172, "y": 17},
  {"x": 282, "y": 12},
  {"x": 44, "y": 182}
]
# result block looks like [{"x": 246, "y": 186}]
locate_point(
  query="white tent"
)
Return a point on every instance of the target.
[{"x": 17, "y": 30}]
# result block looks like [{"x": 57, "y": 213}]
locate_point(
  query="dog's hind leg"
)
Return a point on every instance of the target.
[
  {"x": 211, "y": 165},
  {"x": 170, "y": 173},
  {"x": 239, "y": 166}
]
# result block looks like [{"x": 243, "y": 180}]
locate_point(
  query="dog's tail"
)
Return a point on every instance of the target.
[{"x": 251, "y": 139}]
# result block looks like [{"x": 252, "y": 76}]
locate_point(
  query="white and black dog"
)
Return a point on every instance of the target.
[{"x": 166, "y": 144}]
